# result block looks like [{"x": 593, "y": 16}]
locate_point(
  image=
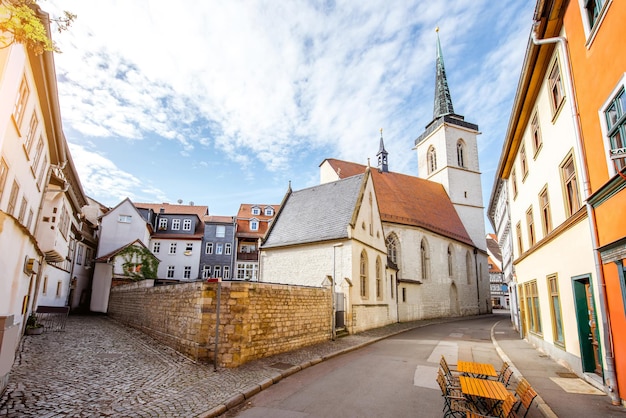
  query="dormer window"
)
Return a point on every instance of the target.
[
  {"x": 186, "y": 224},
  {"x": 269, "y": 211},
  {"x": 254, "y": 224},
  {"x": 256, "y": 210},
  {"x": 162, "y": 224},
  {"x": 175, "y": 224}
]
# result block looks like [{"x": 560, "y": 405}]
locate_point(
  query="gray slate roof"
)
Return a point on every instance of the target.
[{"x": 319, "y": 213}]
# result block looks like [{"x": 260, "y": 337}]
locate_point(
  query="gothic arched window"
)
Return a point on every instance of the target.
[
  {"x": 450, "y": 269},
  {"x": 432, "y": 160},
  {"x": 468, "y": 267},
  {"x": 363, "y": 275},
  {"x": 460, "y": 153},
  {"x": 393, "y": 249},
  {"x": 379, "y": 278}
]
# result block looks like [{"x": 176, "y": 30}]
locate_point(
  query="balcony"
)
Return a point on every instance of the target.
[{"x": 248, "y": 256}]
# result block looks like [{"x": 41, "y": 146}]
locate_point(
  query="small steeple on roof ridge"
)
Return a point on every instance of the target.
[
  {"x": 443, "y": 100},
  {"x": 383, "y": 162}
]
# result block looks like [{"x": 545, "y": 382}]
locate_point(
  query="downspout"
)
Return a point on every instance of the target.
[
  {"x": 477, "y": 285},
  {"x": 607, "y": 343}
]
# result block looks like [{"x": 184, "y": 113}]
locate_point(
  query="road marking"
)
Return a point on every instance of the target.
[
  {"x": 425, "y": 377},
  {"x": 448, "y": 349}
]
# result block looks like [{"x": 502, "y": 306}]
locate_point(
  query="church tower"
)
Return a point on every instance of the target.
[{"x": 447, "y": 153}]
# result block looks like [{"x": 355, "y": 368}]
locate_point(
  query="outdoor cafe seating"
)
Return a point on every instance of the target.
[{"x": 477, "y": 390}]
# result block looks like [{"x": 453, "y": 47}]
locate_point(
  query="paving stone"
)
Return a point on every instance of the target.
[{"x": 99, "y": 367}]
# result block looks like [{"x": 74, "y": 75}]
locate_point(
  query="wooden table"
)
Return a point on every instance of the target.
[
  {"x": 482, "y": 370},
  {"x": 486, "y": 393}
]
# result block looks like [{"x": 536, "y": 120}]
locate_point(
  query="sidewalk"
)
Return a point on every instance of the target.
[
  {"x": 561, "y": 392},
  {"x": 99, "y": 367}
]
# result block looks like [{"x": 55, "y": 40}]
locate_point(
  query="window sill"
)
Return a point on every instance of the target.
[{"x": 557, "y": 111}]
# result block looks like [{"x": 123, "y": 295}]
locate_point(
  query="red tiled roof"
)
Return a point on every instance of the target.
[
  {"x": 175, "y": 209},
  {"x": 494, "y": 266},
  {"x": 220, "y": 219},
  {"x": 245, "y": 214},
  {"x": 409, "y": 200}
]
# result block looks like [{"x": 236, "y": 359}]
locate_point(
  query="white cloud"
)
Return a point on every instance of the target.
[{"x": 105, "y": 182}]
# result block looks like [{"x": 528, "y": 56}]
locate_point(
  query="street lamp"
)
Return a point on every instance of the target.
[{"x": 332, "y": 296}]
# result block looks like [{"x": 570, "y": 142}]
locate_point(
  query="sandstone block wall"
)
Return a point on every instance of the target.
[{"x": 255, "y": 319}]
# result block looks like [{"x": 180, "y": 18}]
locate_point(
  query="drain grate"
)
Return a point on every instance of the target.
[
  {"x": 281, "y": 366},
  {"x": 569, "y": 375}
]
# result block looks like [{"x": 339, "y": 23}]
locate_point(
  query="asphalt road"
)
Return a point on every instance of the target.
[{"x": 394, "y": 377}]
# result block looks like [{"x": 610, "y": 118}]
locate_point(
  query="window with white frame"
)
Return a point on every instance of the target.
[
  {"x": 208, "y": 248},
  {"x": 156, "y": 247},
  {"x": 206, "y": 272},
  {"x": 256, "y": 210},
  {"x": 187, "y": 272},
  {"x": 535, "y": 133},
  {"x": 189, "y": 246},
  {"x": 4, "y": 170},
  {"x": 162, "y": 223},
  {"x": 247, "y": 271},
  {"x": 175, "y": 224},
  {"x": 15, "y": 190},
  {"x": 38, "y": 153},
  {"x": 30, "y": 135},
  {"x": 79, "y": 254},
  {"x": 173, "y": 248},
  {"x": 226, "y": 274},
  {"x": 593, "y": 11},
  {"x": 125, "y": 219},
  {"x": 220, "y": 231},
  {"x": 227, "y": 249},
  {"x": 269, "y": 211},
  {"x": 186, "y": 224},
  {"x": 615, "y": 118},
  {"x": 170, "y": 271},
  {"x": 219, "y": 248},
  {"x": 217, "y": 271},
  {"x": 20, "y": 101},
  {"x": 22, "y": 214},
  {"x": 254, "y": 224},
  {"x": 556, "y": 87},
  {"x": 570, "y": 186}
]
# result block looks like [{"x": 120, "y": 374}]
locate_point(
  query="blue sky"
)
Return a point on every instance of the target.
[{"x": 225, "y": 102}]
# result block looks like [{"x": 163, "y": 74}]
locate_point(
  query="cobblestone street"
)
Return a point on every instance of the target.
[{"x": 99, "y": 367}]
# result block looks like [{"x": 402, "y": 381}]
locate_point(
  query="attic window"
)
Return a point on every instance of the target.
[
  {"x": 269, "y": 211},
  {"x": 254, "y": 225},
  {"x": 256, "y": 210},
  {"x": 124, "y": 219}
]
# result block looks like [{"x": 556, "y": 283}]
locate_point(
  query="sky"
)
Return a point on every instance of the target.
[{"x": 226, "y": 102}]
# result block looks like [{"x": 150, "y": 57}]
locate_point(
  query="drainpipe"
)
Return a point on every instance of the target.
[
  {"x": 607, "y": 343},
  {"x": 477, "y": 285}
]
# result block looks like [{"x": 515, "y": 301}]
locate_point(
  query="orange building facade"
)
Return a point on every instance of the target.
[{"x": 595, "y": 33}]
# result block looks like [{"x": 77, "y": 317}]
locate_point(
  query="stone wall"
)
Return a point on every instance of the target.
[{"x": 256, "y": 319}]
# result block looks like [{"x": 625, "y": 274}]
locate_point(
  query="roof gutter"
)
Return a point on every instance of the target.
[{"x": 607, "y": 343}]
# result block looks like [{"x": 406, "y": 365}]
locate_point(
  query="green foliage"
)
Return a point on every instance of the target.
[
  {"x": 19, "y": 23},
  {"x": 32, "y": 322},
  {"x": 139, "y": 263}
]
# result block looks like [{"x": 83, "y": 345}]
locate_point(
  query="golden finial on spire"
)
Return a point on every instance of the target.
[
  {"x": 437, "y": 29},
  {"x": 381, "y": 132}
]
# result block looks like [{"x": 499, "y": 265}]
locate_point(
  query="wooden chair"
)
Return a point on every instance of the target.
[
  {"x": 455, "y": 404},
  {"x": 505, "y": 377},
  {"x": 452, "y": 379},
  {"x": 526, "y": 399}
]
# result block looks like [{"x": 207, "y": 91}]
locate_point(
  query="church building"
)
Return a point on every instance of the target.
[{"x": 433, "y": 260}]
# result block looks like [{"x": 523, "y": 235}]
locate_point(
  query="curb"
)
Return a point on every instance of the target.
[{"x": 543, "y": 407}]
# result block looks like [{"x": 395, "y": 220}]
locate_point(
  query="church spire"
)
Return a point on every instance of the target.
[
  {"x": 443, "y": 100},
  {"x": 382, "y": 155}
]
